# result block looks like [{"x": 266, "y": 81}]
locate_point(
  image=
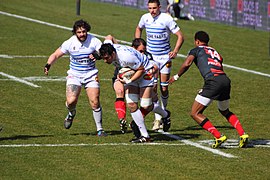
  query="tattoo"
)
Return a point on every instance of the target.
[{"x": 72, "y": 89}]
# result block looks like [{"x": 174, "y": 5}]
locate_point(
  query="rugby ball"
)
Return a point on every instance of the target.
[{"x": 126, "y": 73}]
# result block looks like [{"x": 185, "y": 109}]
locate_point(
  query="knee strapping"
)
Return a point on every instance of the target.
[
  {"x": 164, "y": 84},
  {"x": 145, "y": 102},
  {"x": 132, "y": 98}
]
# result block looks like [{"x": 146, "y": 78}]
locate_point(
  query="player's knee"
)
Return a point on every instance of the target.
[
  {"x": 193, "y": 114},
  {"x": 146, "y": 102},
  {"x": 94, "y": 104},
  {"x": 119, "y": 93},
  {"x": 164, "y": 88},
  {"x": 132, "y": 106},
  {"x": 132, "y": 102}
]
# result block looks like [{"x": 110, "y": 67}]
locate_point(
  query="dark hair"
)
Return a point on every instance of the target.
[
  {"x": 202, "y": 36},
  {"x": 154, "y": 1},
  {"x": 81, "y": 23},
  {"x": 106, "y": 49},
  {"x": 137, "y": 42}
]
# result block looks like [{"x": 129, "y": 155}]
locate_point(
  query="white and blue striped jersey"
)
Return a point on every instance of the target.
[
  {"x": 129, "y": 57},
  {"x": 158, "y": 31},
  {"x": 79, "y": 53}
]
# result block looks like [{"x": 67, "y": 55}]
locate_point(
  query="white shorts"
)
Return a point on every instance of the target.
[
  {"x": 222, "y": 105},
  {"x": 164, "y": 63},
  {"x": 89, "y": 79},
  {"x": 144, "y": 81}
]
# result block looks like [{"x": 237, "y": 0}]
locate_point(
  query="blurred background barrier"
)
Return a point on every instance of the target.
[{"x": 253, "y": 14}]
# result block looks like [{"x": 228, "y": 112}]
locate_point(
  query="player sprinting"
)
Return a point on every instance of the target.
[
  {"x": 139, "y": 87},
  {"x": 158, "y": 28},
  {"x": 81, "y": 47},
  {"x": 217, "y": 86}
]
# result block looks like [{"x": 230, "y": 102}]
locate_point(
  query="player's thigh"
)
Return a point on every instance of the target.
[
  {"x": 164, "y": 77},
  {"x": 119, "y": 89},
  {"x": 197, "y": 108},
  {"x": 132, "y": 89},
  {"x": 93, "y": 96},
  {"x": 146, "y": 92},
  {"x": 72, "y": 93}
]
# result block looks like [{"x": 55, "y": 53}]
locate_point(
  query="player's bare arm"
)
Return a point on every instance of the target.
[
  {"x": 138, "y": 32},
  {"x": 184, "y": 67},
  {"x": 53, "y": 57},
  {"x": 178, "y": 45}
]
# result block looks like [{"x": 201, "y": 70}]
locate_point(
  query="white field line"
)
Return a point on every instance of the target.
[
  {"x": 197, "y": 145},
  {"x": 25, "y": 56},
  {"x": 120, "y": 41},
  {"x": 82, "y": 144},
  {"x": 47, "y": 78},
  {"x": 233, "y": 143},
  {"x": 19, "y": 80},
  {"x": 230, "y": 143}
]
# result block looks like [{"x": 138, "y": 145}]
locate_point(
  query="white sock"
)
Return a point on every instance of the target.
[
  {"x": 139, "y": 120},
  {"x": 159, "y": 112},
  {"x": 97, "y": 114}
]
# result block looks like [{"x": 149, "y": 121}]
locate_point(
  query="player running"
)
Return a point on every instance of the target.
[
  {"x": 158, "y": 27},
  {"x": 217, "y": 86},
  {"x": 82, "y": 48}
]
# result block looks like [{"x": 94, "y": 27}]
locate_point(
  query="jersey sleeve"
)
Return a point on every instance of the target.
[
  {"x": 172, "y": 25},
  {"x": 193, "y": 52},
  {"x": 97, "y": 43},
  {"x": 65, "y": 46},
  {"x": 141, "y": 23}
]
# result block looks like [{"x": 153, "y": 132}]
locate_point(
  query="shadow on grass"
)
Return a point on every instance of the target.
[
  {"x": 197, "y": 127},
  {"x": 23, "y": 137},
  {"x": 162, "y": 137},
  {"x": 110, "y": 133}
]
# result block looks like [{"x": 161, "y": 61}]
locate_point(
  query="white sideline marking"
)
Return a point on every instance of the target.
[
  {"x": 19, "y": 80},
  {"x": 25, "y": 56},
  {"x": 215, "y": 151},
  {"x": 15, "y": 56},
  {"x": 47, "y": 78},
  {"x": 120, "y": 41},
  {"x": 233, "y": 143},
  {"x": 82, "y": 144}
]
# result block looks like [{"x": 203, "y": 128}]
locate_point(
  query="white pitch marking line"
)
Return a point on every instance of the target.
[
  {"x": 46, "y": 78},
  {"x": 121, "y": 41},
  {"x": 233, "y": 143},
  {"x": 25, "y": 56},
  {"x": 215, "y": 151},
  {"x": 19, "y": 80},
  {"x": 82, "y": 144}
]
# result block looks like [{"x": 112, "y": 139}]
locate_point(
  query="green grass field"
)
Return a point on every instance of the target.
[{"x": 32, "y": 117}]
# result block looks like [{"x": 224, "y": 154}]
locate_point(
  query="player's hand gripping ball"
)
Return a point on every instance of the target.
[{"x": 126, "y": 73}]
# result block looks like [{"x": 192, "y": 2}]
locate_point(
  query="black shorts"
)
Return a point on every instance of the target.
[{"x": 217, "y": 88}]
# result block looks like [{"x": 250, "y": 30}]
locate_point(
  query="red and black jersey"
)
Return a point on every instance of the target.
[{"x": 208, "y": 61}]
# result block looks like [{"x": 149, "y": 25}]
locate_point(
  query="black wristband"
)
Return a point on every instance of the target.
[
  {"x": 47, "y": 66},
  {"x": 96, "y": 55}
]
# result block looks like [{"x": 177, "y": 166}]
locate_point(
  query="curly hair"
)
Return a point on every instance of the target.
[
  {"x": 106, "y": 49},
  {"x": 81, "y": 24}
]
